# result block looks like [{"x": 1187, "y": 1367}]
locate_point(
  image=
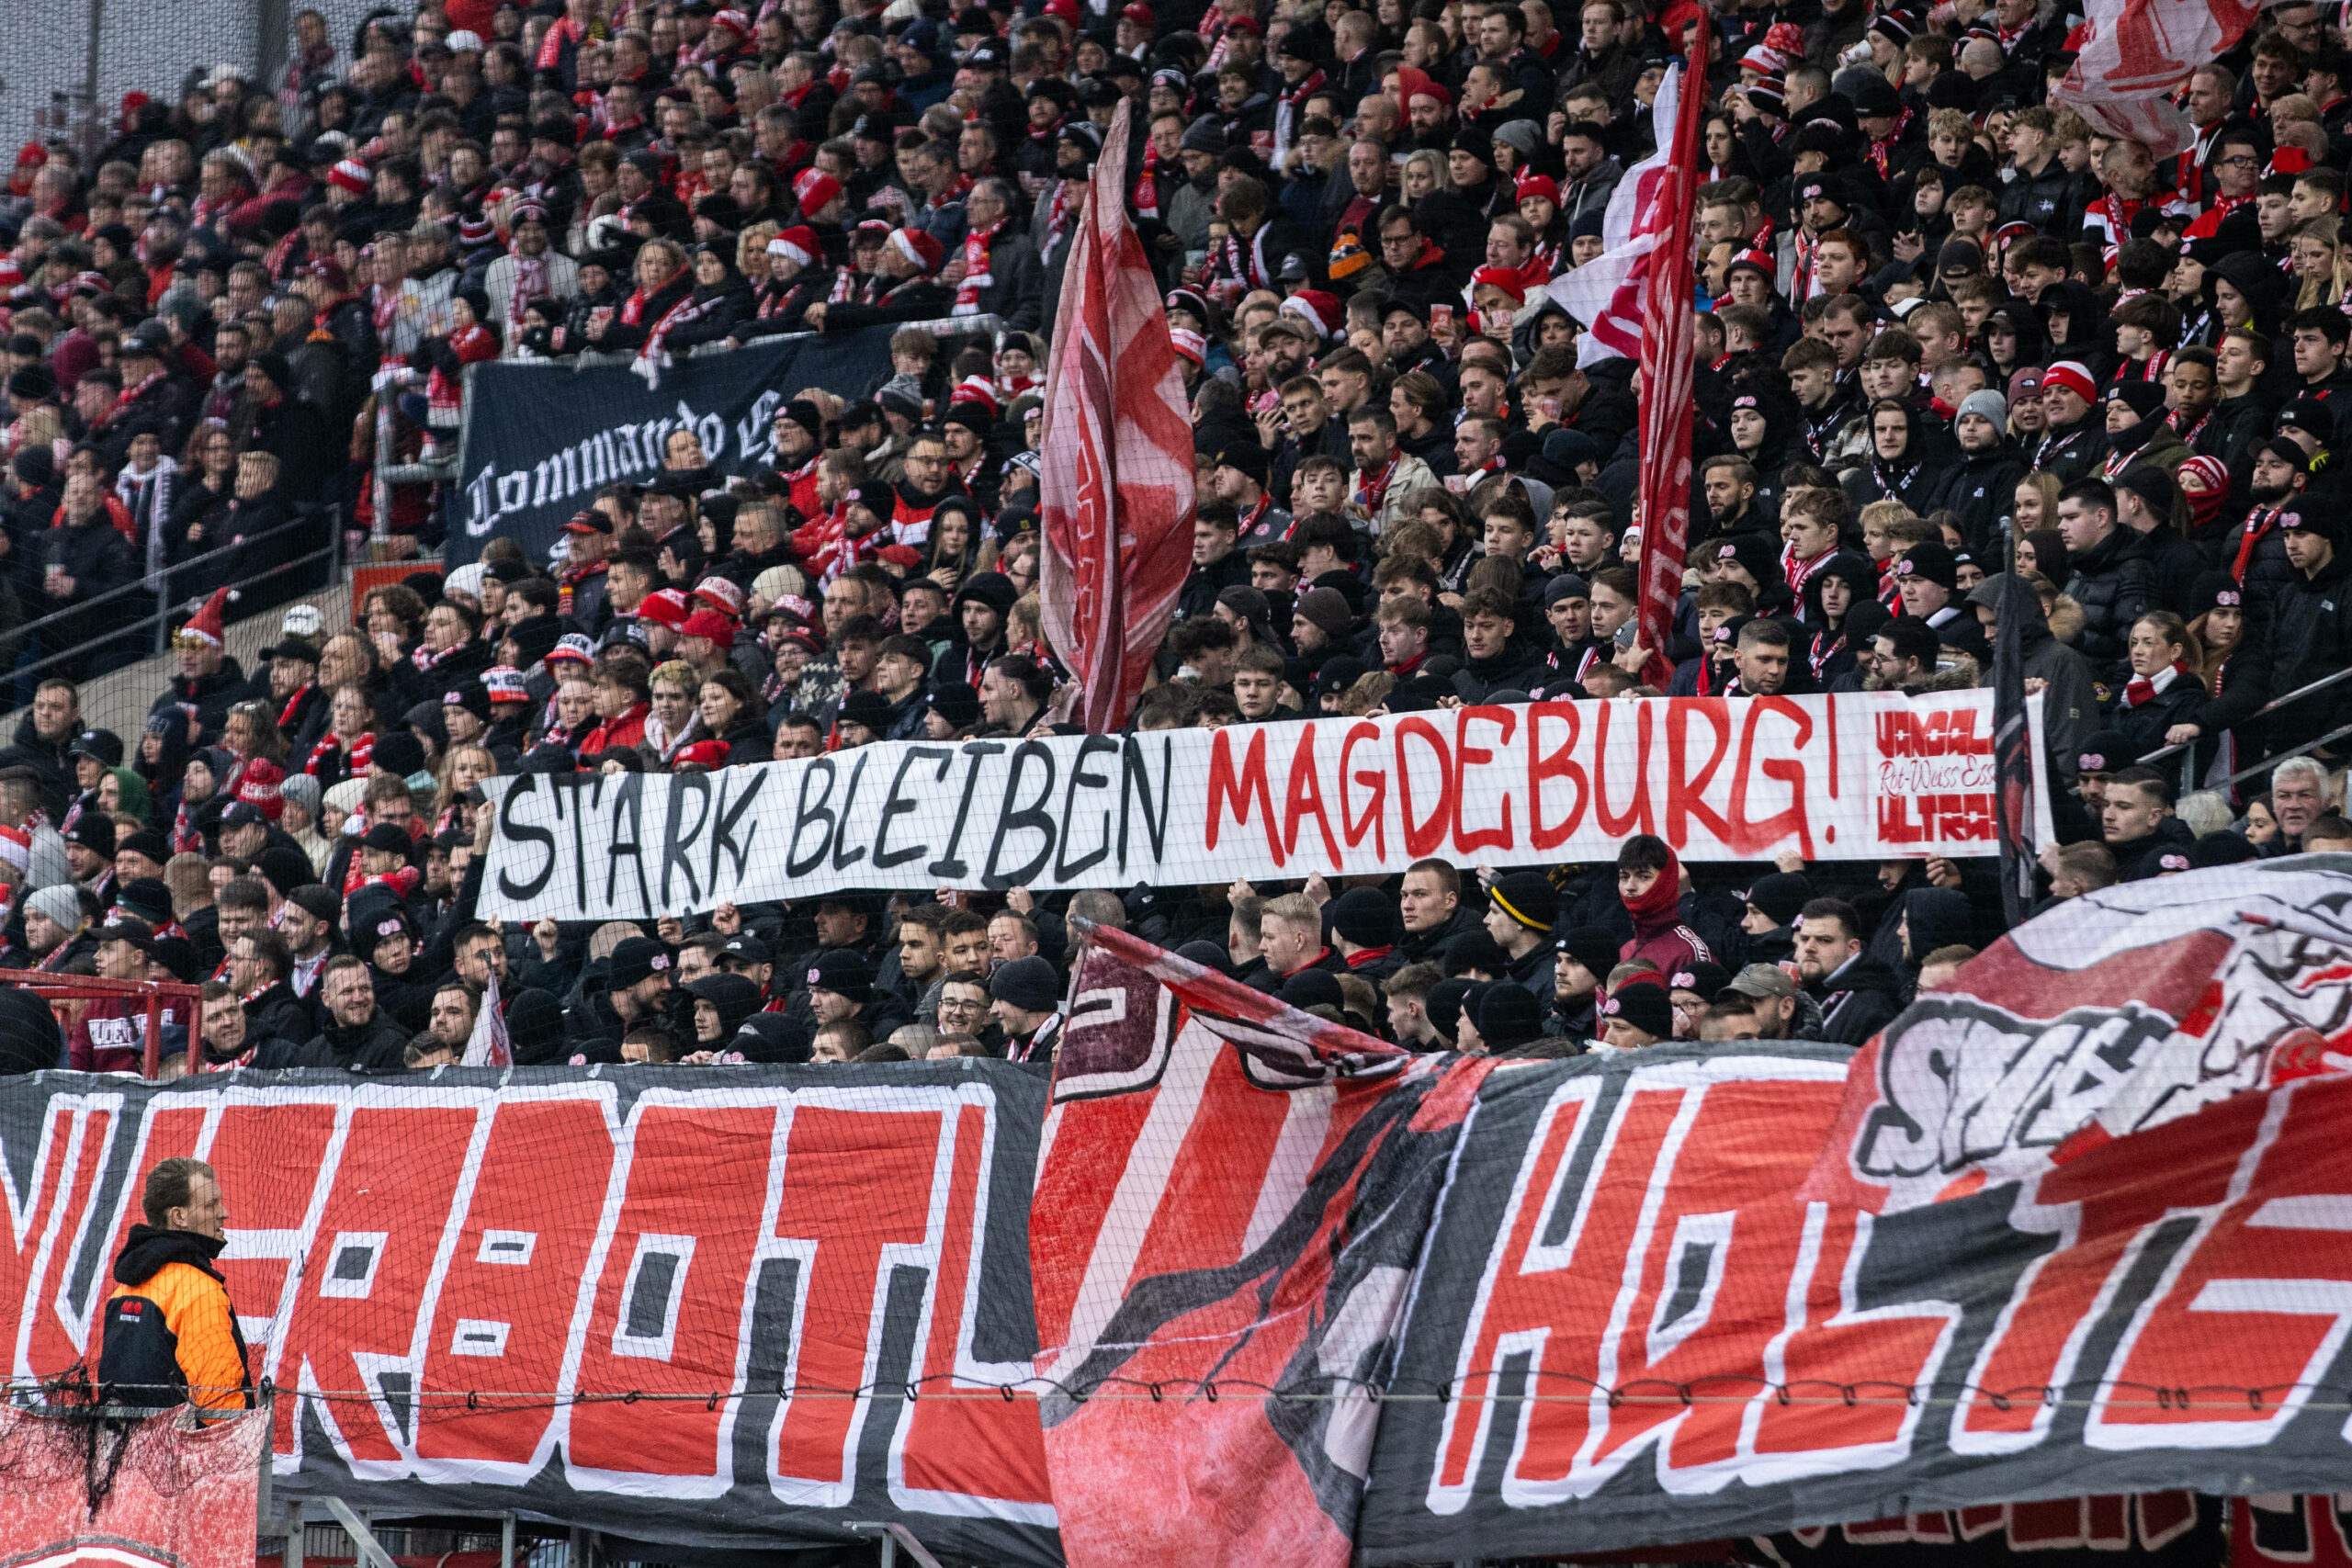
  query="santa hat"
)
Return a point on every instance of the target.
[
  {"x": 703, "y": 754},
  {"x": 1316, "y": 308},
  {"x": 203, "y": 628},
  {"x": 31, "y": 156},
  {"x": 2073, "y": 376},
  {"x": 16, "y": 848},
  {"x": 733, "y": 21},
  {"x": 1189, "y": 343},
  {"x": 349, "y": 174},
  {"x": 1532, "y": 183},
  {"x": 815, "y": 191},
  {"x": 918, "y": 247},
  {"x": 798, "y": 245},
  {"x": 976, "y": 388}
]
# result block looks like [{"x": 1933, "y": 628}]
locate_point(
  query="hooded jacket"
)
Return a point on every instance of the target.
[
  {"x": 1659, "y": 934},
  {"x": 1857, "y": 1001},
  {"x": 171, "y": 1337}
]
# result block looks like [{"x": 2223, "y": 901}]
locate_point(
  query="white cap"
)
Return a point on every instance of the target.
[
  {"x": 301, "y": 620},
  {"x": 462, "y": 39}
]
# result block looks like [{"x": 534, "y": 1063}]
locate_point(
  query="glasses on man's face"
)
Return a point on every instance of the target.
[{"x": 2242, "y": 161}]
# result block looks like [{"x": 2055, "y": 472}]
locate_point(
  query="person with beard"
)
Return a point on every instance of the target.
[
  {"x": 355, "y": 1032},
  {"x": 210, "y": 681},
  {"x": 303, "y": 706},
  {"x": 1858, "y": 996},
  {"x": 2255, "y": 553},
  {"x": 2074, "y": 444},
  {"x": 260, "y": 968},
  {"x": 2137, "y": 432},
  {"x": 1582, "y": 957}
]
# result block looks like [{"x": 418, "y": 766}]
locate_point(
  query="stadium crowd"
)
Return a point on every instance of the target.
[{"x": 1947, "y": 331}]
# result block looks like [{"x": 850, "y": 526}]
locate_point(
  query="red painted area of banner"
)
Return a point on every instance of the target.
[{"x": 181, "y": 1498}]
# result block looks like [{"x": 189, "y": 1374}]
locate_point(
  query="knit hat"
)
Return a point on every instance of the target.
[
  {"x": 61, "y": 903},
  {"x": 302, "y": 790},
  {"x": 1644, "y": 1004},
  {"x": 841, "y": 971},
  {"x": 1475, "y": 950},
  {"x": 1508, "y": 1015},
  {"x": 1527, "y": 898},
  {"x": 2105, "y": 751},
  {"x": 635, "y": 959},
  {"x": 1594, "y": 947},
  {"x": 1366, "y": 916},
  {"x": 2213, "y": 590},
  {"x": 1028, "y": 982},
  {"x": 1311, "y": 988},
  {"x": 2073, "y": 376},
  {"x": 1931, "y": 561},
  {"x": 1326, "y": 608},
  {"x": 1444, "y": 1006},
  {"x": 1701, "y": 976},
  {"x": 1782, "y": 895},
  {"x": 1989, "y": 404},
  {"x": 2142, "y": 397}
]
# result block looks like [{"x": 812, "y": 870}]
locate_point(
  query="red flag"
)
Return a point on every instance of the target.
[
  {"x": 1116, "y": 490},
  {"x": 1667, "y": 342}
]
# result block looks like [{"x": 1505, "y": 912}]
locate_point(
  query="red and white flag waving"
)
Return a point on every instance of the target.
[
  {"x": 1634, "y": 298},
  {"x": 488, "y": 1045},
  {"x": 1116, "y": 490},
  {"x": 2134, "y": 53}
]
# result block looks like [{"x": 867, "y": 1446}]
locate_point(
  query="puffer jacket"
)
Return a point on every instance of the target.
[{"x": 2115, "y": 584}]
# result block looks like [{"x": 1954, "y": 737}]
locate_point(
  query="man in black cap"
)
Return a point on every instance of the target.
[
  {"x": 1024, "y": 997},
  {"x": 840, "y": 982},
  {"x": 953, "y": 711},
  {"x": 89, "y": 852},
  {"x": 1929, "y": 580},
  {"x": 747, "y": 955},
  {"x": 1243, "y": 470},
  {"x": 2311, "y": 631},
  {"x": 1582, "y": 958},
  {"x": 1773, "y": 903},
  {"x": 637, "y": 985},
  {"x": 1521, "y": 909},
  {"x": 110, "y": 1034}
]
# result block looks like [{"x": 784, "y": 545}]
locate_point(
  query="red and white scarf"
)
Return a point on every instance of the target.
[
  {"x": 977, "y": 275},
  {"x": 2142, "y": 689}
]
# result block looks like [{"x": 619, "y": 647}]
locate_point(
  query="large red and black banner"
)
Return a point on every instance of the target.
[
  {"x": 741, "y": 1306},
  {"x": 2071, "y": 1241},
  {"x": 2081, "y": 1224}
]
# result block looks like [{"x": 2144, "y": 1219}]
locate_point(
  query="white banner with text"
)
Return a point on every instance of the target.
[{"x": 1852, "y": 776}]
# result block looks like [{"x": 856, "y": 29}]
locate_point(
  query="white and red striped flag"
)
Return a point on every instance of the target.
[
  {"x": 1634, "y": 298},
  {"x": 2131, "y": 55},
  {"x": 1116, "y": 483}
]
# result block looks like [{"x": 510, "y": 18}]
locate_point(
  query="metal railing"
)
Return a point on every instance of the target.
[
  {"x": 2189, "y": 781},
  {"x": 197, "y": 568}
]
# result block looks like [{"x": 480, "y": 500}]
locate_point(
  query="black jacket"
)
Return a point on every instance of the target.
[
  {"x": 379, "y": 1046},
  {"x": 2310, "y": 637},
  {"x": 2115, "y": 583},
  {"x": 1859, "y": 1000}
]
